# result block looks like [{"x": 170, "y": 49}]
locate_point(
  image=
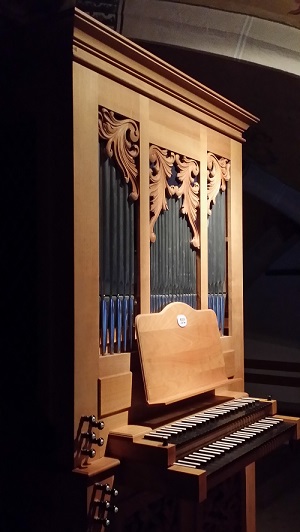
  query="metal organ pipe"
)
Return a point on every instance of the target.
[
  {"x": 217, "y": 259},
  {"x": 172, "y": 259},
  {"x": 116, "y": 261}
]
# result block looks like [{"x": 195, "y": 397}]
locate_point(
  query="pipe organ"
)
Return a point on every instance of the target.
[{"x": 160, "y": 434}]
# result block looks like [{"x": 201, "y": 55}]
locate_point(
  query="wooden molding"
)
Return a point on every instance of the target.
[
  {"x": 218, "y": 172},
  {"x": 122, "y": 136},
  {"x": 119, "y": 58},
  {"x": 161, "y": 161}
]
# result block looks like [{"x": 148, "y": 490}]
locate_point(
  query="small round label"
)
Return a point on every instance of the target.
[{"x": 182, "y": 320}]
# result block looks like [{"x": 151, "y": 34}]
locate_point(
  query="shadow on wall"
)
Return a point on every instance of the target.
[{"x": 272, "y": 289}]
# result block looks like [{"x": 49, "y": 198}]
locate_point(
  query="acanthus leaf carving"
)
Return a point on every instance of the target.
[
  {"x": 122, "y": 136},
  {"x": 189, "y": 189},
  {"x": 161, "y": 162},
  {"x": 218, "y": 173}
]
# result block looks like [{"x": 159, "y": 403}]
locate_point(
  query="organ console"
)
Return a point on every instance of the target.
[
  {"x": 193, "y": 454},
  {"x": 140, "y": 347}
]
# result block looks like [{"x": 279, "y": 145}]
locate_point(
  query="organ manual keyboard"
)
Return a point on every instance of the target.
[{"x": 220, "y": 436}]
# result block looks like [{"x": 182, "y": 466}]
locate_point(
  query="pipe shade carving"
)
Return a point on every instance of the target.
[
  {"x": 218, "y": 172},
  {"x": 122, "y": 136},
  {"x": 161, "y": 163}
]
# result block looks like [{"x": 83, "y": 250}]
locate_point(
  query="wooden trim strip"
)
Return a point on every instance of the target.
[
  {"x": 155, "y": 64},
  {"x": 163, "y": 94}
]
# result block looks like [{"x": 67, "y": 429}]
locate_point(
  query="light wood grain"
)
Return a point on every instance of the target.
[
  {"x": 202, "y": 257},
  {"x": 250, "y": 498},
  {"x": 134, "y": 449},
  {"x": 97, "y": 466},
  {"x": 114, "y": 364},
  {"x": 169, "y": 129},
  {"x": 179, "y": 362},
  {"x": 114, "y": 393},
  {"x": 144, "y": 213},
  {"x": 235, "y": 259},
  {"x": 218, "y": 143},
  {"x": 86, "y": 238},
  {"x": 229, "y": 359}
]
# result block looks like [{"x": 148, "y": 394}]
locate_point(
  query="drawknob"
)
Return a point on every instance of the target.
[
  {"x": 88, "y": 452},
  {"x": 91, "y": 436},
  {"x": 99, "y": 442},
  {"x": 107, "y": 489},
  {"x": 114, "y": 509},
  {"x": 105, "y": 505},
  {"x": 99, "y": 424},
  {"x": 103, "y": 520},
  {"x": 90, "y": 419}
]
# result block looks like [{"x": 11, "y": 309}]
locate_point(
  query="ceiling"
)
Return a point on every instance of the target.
[{"x": 283, "y": 11}]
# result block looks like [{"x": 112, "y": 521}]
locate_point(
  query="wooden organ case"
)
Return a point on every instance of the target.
[
  {"x": 178, "y": 146},
  {"x": 155, "y": 155}
]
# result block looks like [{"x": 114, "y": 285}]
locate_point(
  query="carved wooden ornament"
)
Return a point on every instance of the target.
[
  {"x": 218, "y": 172},
  {"x": 122, "y": 136},
  {"x": 161, "y": 162}
]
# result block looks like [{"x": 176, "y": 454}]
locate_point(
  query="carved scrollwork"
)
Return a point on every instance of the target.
[
  {"x": 218, "y": 172},
  {"x": 122, "y": 136},
  {"x": 161, "y": 162},
  {"x": 188, "y": 170}
]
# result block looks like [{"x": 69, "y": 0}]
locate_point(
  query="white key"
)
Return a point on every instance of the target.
[
  {"x": 273, "y": 420},
  {"x": 261, "y": 425},
  {"x": 181, "y": 425},
  {"x": 202, "y": 418},
  {"x": 205, "y": 454},
  {"x": 195, "y": 421},
  {"x": 234, "y": 439},
  {"x": 165, "y": 433},
  {"x": 201, "y": 456},
  {"x": 225, "y": 444},
  {"x": 180, "y": 462},
  {"x": 172, "y": 429},
  {"x": 185, "y": 461},
  {"x": 214, "y": 451},
  {"x": 216, "y": 448},
  {"x": 179, "y": 429},
  {"x": 243, "y": 434},
  {"x": 217, "y": 410},
  {"x": 158, "y": 437},
  {"x": 225, "y": 447},
  {"x": 231, "y": 440}
]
